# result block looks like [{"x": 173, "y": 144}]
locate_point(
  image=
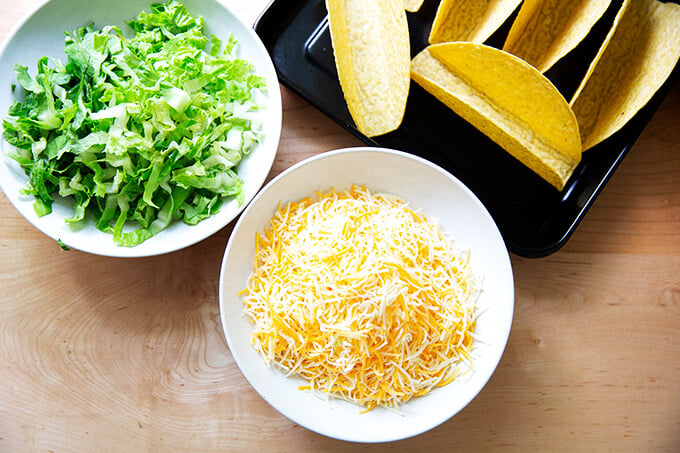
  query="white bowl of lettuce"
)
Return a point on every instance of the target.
[{"x": 135, "y": 130}]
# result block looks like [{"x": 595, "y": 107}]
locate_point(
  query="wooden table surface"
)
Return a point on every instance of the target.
[{"x": 106, "y": 354}]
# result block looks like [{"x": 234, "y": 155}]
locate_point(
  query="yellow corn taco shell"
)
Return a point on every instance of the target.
[
  {"x": 413, "y": 5},
  {"x": 469, "y": 20},
  {"x": 506, "y": 99},
  {"x": 546, "y": 30},
  {"x": 372, "y": 55},
  {"x": 636, "y": 58}
]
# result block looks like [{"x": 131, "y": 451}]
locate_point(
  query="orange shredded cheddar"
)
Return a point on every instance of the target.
[{"x": 362, "y": 297}]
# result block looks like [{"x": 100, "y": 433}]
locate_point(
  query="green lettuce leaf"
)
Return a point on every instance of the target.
[{"x": 138, "y": 132}]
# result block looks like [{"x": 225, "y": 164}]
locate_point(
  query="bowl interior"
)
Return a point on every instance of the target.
[
  {"x": 42, "y": 34},
  {"x": 440, "y": 196}
]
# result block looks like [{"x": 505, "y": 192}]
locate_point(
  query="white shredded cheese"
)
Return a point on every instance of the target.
[{"x": 362, "y": 297}]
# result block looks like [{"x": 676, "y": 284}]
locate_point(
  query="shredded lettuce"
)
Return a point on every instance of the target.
[{"x": 140, "y": 131}]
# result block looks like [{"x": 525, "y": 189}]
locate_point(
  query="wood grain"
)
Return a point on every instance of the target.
[{"x": 107, "y": 354}]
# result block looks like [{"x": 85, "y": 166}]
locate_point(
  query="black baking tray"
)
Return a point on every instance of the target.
[{"x": 533, "y": 217}]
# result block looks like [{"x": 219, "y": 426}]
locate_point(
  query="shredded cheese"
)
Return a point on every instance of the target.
[{"x": 362, "y": 297}]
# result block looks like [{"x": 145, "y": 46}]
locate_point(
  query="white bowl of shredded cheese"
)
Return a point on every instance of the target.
[{"x": 366, "y": 294}]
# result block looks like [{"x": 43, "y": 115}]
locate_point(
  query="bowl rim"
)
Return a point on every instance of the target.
[
  {"x": 501, "y": 346},
  {"x": 271, "y": 142}
]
